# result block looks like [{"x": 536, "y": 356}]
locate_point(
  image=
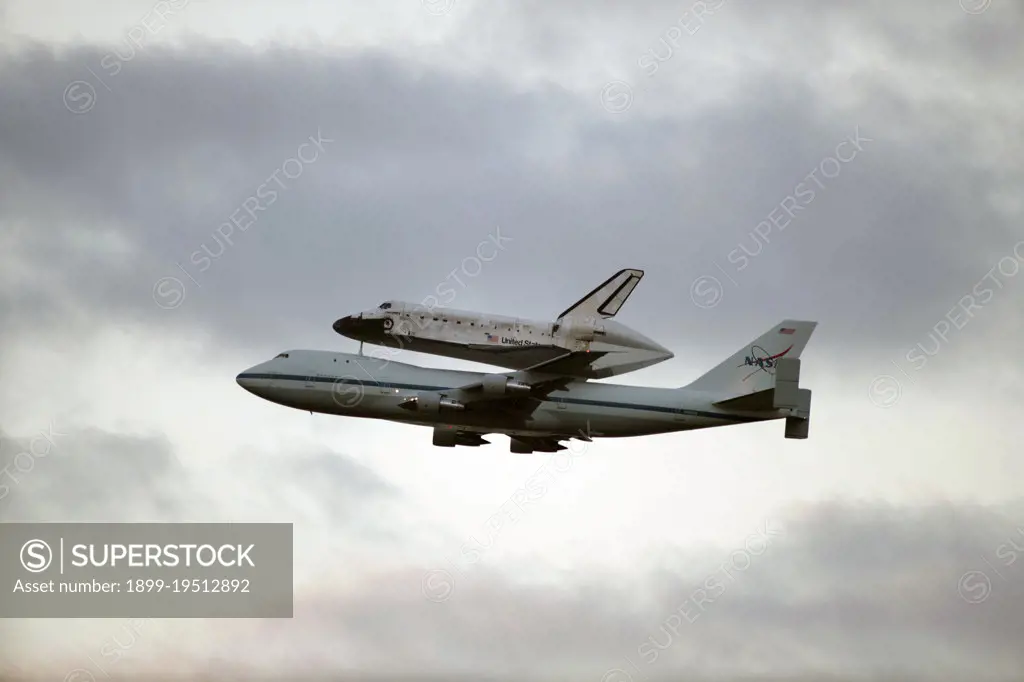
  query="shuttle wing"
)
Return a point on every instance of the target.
[
  {"x": 569, "y": 364},
  {"x": 608, "y": 298}
]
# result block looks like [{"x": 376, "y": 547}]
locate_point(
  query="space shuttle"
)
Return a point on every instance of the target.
[{"x": 582, "y": 342}]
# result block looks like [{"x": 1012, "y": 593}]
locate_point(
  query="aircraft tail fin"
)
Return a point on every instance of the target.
[
  {"x": 764, "y": 376},
  {"x": 754, "y": 368},
  {"x": 607, "y": 299}
]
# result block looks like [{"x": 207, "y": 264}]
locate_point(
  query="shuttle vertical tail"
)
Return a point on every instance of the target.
[{"x": 607, "y": 299}]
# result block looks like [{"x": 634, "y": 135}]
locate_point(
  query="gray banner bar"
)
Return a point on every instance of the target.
[{"x": 161, "y": 570}]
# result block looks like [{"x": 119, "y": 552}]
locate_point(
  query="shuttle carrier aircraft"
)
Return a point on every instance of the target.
[
  {"x": 610, "y": 348},
  {"x": 538, "y": 408}
]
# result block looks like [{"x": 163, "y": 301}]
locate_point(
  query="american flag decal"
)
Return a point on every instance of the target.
[
  {"x": 786, "y": 330},
  {"x": 493, "y": 338}
]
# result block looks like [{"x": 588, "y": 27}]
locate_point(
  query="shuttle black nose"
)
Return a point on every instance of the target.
[{"x": 346, "y": 325}]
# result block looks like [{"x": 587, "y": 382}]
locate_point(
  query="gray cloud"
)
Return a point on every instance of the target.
[
  {"x": 64, "y": 473},
  {"x": 423, "y": 167},
  {"x": 875, "y": 589},
  {"x": 858, "y": 591},
  {"x": 90, "y": 475},
  {"x": 418, "y": 165},
  {"x": 872, "y": 590}
]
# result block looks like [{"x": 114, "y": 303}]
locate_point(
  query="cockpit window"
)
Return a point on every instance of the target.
[
  {"x": 282, "y": 355},
  {"x": 385, "y": 306}
]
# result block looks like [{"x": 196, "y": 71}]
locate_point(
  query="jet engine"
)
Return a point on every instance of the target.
[
  {"x": 431, "y": 403},
  {"x": 445, "y": 438},
  {"x": 525, "y": 447},
  {"x": 449, "y": 437},
  {"x": 520, "y": 447},
  {"x": 496, "y": 384}
]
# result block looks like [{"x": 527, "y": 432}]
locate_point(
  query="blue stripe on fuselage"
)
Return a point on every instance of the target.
[{"x": 574, "y": 401}]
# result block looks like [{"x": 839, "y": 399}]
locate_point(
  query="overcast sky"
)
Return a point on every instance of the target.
[{"x": 857, "y": 164}]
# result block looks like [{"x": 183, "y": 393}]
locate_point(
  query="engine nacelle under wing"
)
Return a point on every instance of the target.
[
  {"x": 496, "y": 385},
  {"x": 449, "y": 437},
  {"x": 431, "y": 403},
  {"x": 526, "y": 446},
  {"x": 445, "y": 438},
  {"x": 520, "y": 447}
]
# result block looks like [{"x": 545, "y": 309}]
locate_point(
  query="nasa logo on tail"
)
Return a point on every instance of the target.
[{"x": 762, "y": 359}]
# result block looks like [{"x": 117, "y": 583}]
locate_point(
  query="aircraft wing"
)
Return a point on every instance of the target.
[
  {"x": 521, "y": 356},
  {"x": 538, "y": 443},
  {"x": 569, "y": 363},
  {"x": 507, "y": 392},
  {"x": 516, "y": 392},
  {"x": 520, "y": 443},
  {"x": 550, "y": 443},
  {"x": 469, "y": 437},
  {"x": 558, "y": 360}
]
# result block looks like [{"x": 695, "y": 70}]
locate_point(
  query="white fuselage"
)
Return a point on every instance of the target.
[
  {"x": 361, "y": 386},
  {"x": 508, "y": 342}
]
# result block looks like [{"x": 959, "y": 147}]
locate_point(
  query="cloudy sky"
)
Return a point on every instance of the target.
[{"x": 855, "y": 164}]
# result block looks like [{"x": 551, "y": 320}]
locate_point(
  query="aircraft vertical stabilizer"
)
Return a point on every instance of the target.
[
  {"x": 607, "y": 299},
  {"x": 765, "y": 377},
  {"x": 753, "y": 367}
]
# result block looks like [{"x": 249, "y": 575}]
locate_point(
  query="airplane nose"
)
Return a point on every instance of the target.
[
  {"x": 260, "y": 379},
  {"x": 346, "y": 325},
  {"x": 253, "y": 379}
]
